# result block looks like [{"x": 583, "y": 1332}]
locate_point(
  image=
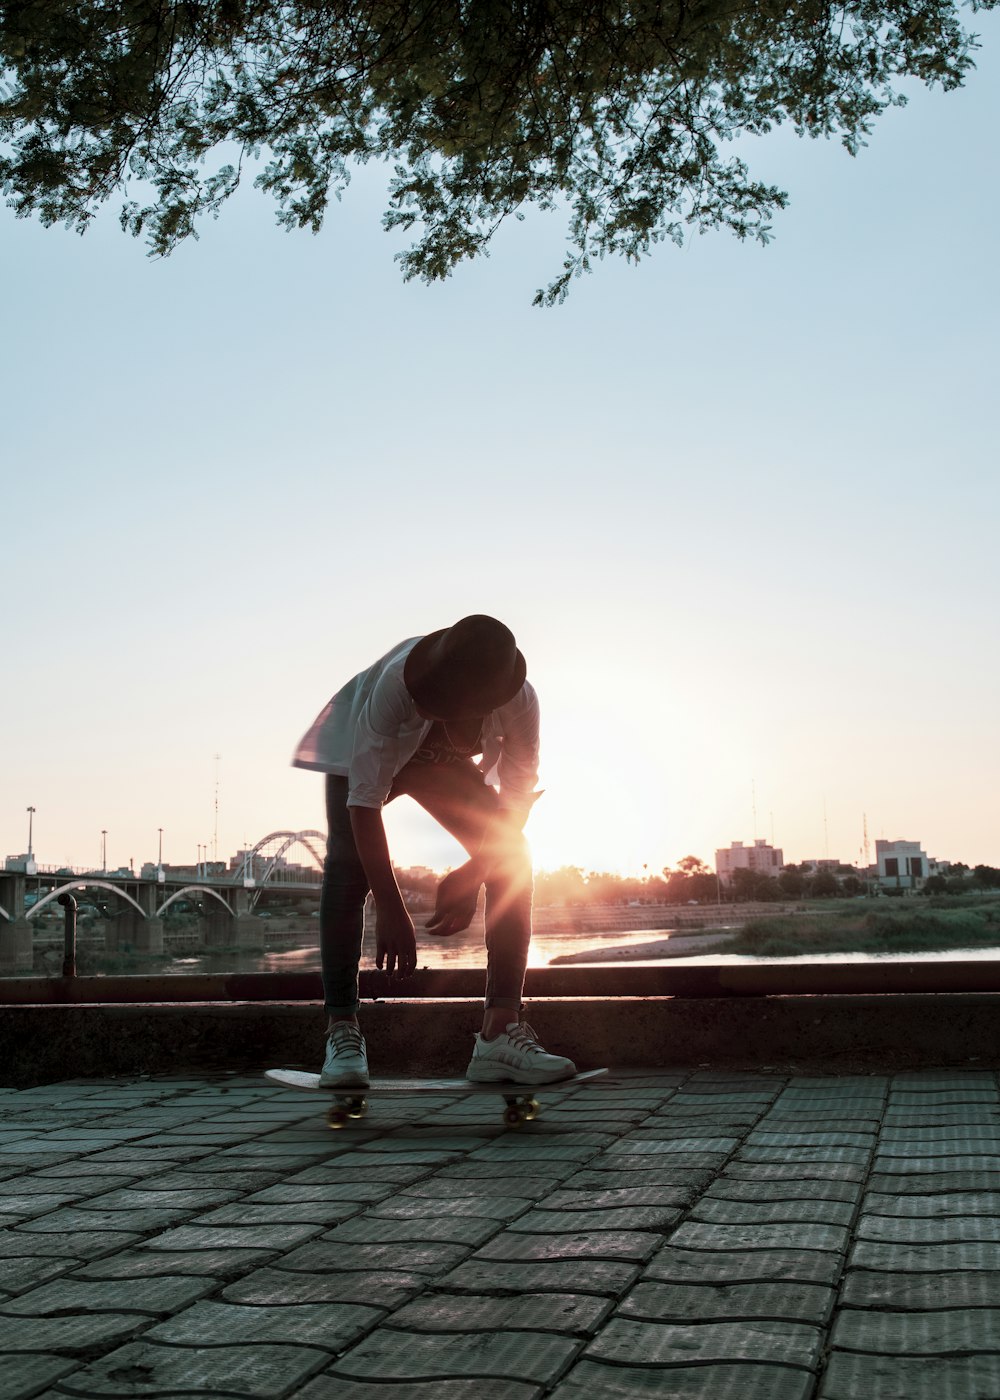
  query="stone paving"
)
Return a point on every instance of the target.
[{"x": 725, "y": 1234}]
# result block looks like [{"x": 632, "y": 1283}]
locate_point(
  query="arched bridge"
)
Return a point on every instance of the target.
[
  {"x": 268, "y": 855},
  {"x": 291, "y": 861},
  {"x": 85, "y": 884}
]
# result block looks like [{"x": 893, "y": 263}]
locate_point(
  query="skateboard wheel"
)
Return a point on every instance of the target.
[
  {"x": 336, "y": 1117},
  {"x": 357, "y": 1108},
  {"x": 530, "y": 1108},
  {"x": 513, "y": 1115}
]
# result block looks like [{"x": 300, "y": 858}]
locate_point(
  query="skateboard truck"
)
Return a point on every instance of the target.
[
  {"x": 519, "y": 1109},
  {"x": 342, "y": 1110}
]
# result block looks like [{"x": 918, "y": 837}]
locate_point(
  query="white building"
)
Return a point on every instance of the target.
[
  {"x": 25, "y": 864},
  {"x": 901, "y": 865},
  {"x": 764, "y": 859}
]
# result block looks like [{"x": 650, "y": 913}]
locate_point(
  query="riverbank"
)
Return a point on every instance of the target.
[
  {"x": 892, "y": 927},
  {"x": 601, "y": 919},
  {"x": 658, "y": 950},
  {"x": 877, "y": 928}
]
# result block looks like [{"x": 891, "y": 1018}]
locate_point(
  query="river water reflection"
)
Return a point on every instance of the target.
[{"x": 467, "y": 950}]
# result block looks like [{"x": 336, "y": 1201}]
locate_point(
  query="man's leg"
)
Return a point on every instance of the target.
[
  {"x": 456, "y": 796},
  {"x": 341, "y": 928}
]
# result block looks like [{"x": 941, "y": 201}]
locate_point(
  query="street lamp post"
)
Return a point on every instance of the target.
[
  {"x": 104, "y": 851},
  {"x": 159, "y": 857},
  {"x": 31, "y": 816}
]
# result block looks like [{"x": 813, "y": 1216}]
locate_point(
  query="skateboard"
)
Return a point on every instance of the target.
[{"x": 520, "y": 1103}]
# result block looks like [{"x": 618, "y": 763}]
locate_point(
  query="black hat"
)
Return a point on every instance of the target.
[{"x": 465, "y": 670}]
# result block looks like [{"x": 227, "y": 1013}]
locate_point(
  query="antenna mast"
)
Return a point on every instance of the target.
[{"x": 215, "y": 830}]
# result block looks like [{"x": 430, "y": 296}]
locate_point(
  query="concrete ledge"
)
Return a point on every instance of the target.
[
  {"x": 39, "y": 1044},
  {"x": 671, "y": 979}
]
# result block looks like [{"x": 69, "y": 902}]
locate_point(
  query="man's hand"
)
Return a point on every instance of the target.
[
  {"x": 455, "y": 904},
  {"x": 395, "y": 943}
]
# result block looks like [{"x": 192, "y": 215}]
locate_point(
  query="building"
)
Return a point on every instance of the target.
[
  {"x": 901, "y": 865},
  {"x": 24, "y": 864},
  {"x": 760, "y": 857}
]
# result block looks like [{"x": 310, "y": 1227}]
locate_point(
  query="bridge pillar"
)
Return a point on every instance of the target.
[
  {"x": 145, "y": 935},
  {"x": 240, "y": 900},
  {"x": 15, "y": 945},
  {"x": 12, "y": 890},
  {"x": 132, "y": 931},
  {"x": 144, "y": 893},
  {"x": 150, "y": 935},
  {"x": 249, "y": 931},
  {"x": 219, "y": 925}
]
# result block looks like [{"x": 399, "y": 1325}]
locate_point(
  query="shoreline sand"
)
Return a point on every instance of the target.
[{"x": 679, "y": 946}]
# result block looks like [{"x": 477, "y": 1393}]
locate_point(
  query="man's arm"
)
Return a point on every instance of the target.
[
  {"x": 518, "y": 772},
  {"x": 395, "y": 943},
  {"x": 458, "y": 891},
  {"x": 517, "y": 768}
]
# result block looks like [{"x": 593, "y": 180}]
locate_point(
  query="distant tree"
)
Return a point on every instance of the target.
[
  {"x": 692, "y": 880},
  {"x": 935, "y": 884},
  {"x": 619, "y": 114},
  {"x": 606, "y": 888},
  {"x": 563, "y": 886},
  {"x": 678, "y": 888},
  {"x": 419, "y": 881},
  {"x": 703, "y": 887},
  {"x": 987, "y": 877},
  {"x": 823, "y": 885},
  {"x": 741, "y": 882},
  {"x": 754, "y": 885},
  {"x": 851, "y": 885},
  {"x": 792, "y": 882}
]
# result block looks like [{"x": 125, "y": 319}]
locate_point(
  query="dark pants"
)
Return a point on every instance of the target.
[{"x": 456, "y": 795}]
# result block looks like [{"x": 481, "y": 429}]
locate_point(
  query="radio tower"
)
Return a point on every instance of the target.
[
  {"x": 864, "y": 827},
  {"x": 215, "y": 830}
]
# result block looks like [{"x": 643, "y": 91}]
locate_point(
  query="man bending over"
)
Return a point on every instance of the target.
[{"x": 414, "y": 723}]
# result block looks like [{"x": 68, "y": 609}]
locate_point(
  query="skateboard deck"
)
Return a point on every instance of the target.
[{"x": 520, "y": 1103}]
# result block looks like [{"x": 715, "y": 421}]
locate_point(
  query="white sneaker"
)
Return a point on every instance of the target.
[
  {"x": 346, "y": 1063},
  {"x": 516, "y": 1056}
]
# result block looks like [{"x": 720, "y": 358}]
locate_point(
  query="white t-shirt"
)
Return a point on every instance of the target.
[{"x": 371, "y": 728}]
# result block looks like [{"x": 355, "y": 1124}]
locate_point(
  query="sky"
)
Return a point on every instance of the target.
[{"x": 738, "y": 504}]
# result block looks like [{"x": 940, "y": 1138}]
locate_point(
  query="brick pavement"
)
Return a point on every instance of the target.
[{"x": 724, "y": 1234}]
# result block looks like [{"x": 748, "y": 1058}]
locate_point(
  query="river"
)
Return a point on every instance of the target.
[{"x": 467, "y": 950}]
